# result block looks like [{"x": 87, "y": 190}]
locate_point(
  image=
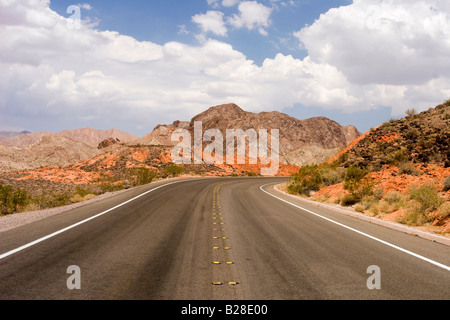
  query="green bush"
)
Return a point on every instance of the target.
[
  {"x": 408, "y": 168},
  {"x": 427, "y": 196},
  {"x": 307, "y": 179},
  {"x": 354, "y": 174},
  {"x": 141, "y": 176},
  {"x": 173, "y": 170},
  {"x": 394, "y": 197},
  {"x": 331, "y": 174},
  {"x": 396, "y": 157},
  {"x": 314, "y": 177},
  {"x": 357, "y": 183},
  {"x": 12, "y": 200},
  {"x": 51, "y": 200},
  {"x": 111, "y": 187},
  {"x": 424, "y": 199}
]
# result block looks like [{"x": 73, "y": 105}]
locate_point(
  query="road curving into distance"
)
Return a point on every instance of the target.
[{"x": 217, "y": 239}]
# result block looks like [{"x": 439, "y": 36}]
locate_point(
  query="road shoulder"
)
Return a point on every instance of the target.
[{"x": 389, "y": 224}]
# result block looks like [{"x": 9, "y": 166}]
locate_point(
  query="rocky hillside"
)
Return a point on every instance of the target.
[
  {"x": 422, "y": 138},
  {"x": 162, "y": 134},
  {"x": 86, "y": 135},
  {"x": 49, "y": 150},
  {"x": 399, "y": 171},
  {"x": 43, "y": 149},
  {"x": 301, "y": 141}
]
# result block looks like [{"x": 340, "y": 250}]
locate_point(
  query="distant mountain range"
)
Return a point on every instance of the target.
[
  {"x": 301, "y": 141},
  {"x": 40, "y": 149},
  {"x": 10, "y": 134},
  {"x": 89, "y": 136}
]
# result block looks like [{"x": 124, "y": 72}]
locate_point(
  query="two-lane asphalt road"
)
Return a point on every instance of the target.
[{"x": 216, "y": 238}]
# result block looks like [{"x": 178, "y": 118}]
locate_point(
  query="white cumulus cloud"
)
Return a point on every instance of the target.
[
  {"x": 252, "y": 15},
  {"x": 211, "y": 21},
  {"x": 367, "y": 54}
]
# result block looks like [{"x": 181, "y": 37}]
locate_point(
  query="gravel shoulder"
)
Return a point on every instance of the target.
[{"x": 15, "y": 220}]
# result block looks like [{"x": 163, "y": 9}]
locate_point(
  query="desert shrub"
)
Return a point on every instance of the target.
[
  {"x": 378, "y": 193},
  {"x": 357, "y": 183},
  {"x": 12, "y": 200},
  {"x": 307, "y": 179},
  {"x": 77, "y": 198},
  {"x": 173, "y": 170},
  {"x": 409, "y": 168},
  {"x": 349, "y": 200},
  {"x": 411, "y": 112},
  {"x": 367, "y": 202},
  {"x": 446, "y": 183},
  {"x": 427, "y": 196},
  {"x": 331, "y": 174},
  {"x": 359, "y": 207},
  {"x": 354, "y": 174},
  {"x": 51, "y": 200},
  {"x": 396, "y": 157},
  {"x": 394, "y": 197},
  {"x": 414, "y": 215},
  {"x": 424, "y": 199},
  {"x": 111, "y": 187},
  {"x": 343, "y": 157},
  {"x": 83, "y": 194},
  {"x": 314, "y": 177},
  {"x": 141, "y": 176}
]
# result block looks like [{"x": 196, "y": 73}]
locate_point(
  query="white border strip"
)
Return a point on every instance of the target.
[
  {"x": 9, "y": 253},
  {"x": 443, "y": 266}
]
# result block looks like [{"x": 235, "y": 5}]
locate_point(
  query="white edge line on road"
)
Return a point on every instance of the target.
[
  {"x": 443, "y": 266},
  {"x": 80, "y": 223}
]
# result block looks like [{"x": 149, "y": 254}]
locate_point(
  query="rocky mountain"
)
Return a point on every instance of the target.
[
  {"x": 24, "y": 140},
  {"x": 301, "y": 141},
  {"x": 49, "y": 150},
  {"x": 43, "y": 149},
  {"x": 93, "y": 137},
  {"x": 162, "y": 134},
  {"x": 420, "y": 138},
  {"x": 86, "y": 135}
]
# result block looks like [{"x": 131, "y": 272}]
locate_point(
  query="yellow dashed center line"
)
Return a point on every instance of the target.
[{"x": 218, "y": 235}]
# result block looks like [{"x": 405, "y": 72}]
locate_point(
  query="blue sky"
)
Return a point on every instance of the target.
[
  {"x": 163, "y": 21},
  {"x": 134, "y": 64}
]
